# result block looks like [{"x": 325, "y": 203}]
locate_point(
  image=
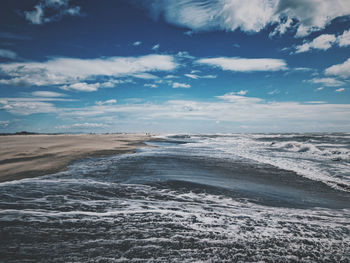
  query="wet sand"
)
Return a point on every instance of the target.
[{"x": 24, "y": 156}]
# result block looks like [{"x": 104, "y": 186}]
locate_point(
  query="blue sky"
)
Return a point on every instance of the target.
[{"x": 175, "y": 66}]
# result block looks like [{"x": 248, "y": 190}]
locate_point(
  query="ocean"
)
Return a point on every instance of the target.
[{"x": 188, "y": 198}]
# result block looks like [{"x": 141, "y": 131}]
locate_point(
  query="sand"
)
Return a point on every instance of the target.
[{"x": 24, "y": 156}]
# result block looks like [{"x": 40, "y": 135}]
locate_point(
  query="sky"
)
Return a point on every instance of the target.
[{"x": 164, "y": 66}]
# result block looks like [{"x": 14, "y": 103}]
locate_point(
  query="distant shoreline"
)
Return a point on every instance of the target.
[{"x": 29, "y": 155}]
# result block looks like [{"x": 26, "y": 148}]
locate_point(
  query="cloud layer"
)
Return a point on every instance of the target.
[{"x": 232, "y": 108}]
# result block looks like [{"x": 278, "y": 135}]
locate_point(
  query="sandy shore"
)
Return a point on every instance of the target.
[{"x": 23, "y": 156}]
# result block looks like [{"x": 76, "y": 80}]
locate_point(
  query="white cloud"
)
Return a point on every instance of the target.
[
  {"x": 344, "y": 39},
  {"x": 252, "y": 15},
  {"x": 156, "y": 47},
  {"x": 230, "y": 108},
  {"x": 26, "y": 107},
  {"x": 328, "y": 82},
  {"x": 55, "y": 8},
  {"x": 235, "y": 97},
  {"x": 82, "y": 86},
  {"x": 209, "y": 77},
  {"x": 184, "y": 55},
  {"x": 322, "y": 42},
  {"x": 82, "y": 126},
  {"x": 73, "y": 11},
  {"x": 70, "y": 71},
  {"x": 48, "y": 94},
  {"x": 106, "y": 102},
  {"x": 181, "y": 85},
  {"x": 245, "y": 64},
  {"x": 171, "y": 77},
  {"x": 273, "y": 92},
  {"x": 315, "y": 102},
  {"x": 341, "y": 70},
  {"x": 137, "y": 43},
  {"x": 320, "y": 88},
  {"x": 197, "y": 15},
  {"x": 304, "y": 69},
  {"x": 339, "y": 90},
  {"x": 42, "y": 102},
  {"x": 194, "y": 76},
  {"x": 7, "y": 54},
  {"x": 150, "y": 85},
  {"x": 313, "y": 15},
  {"x": 35, "y": 16},
  {"x": 242, "y": 92}
]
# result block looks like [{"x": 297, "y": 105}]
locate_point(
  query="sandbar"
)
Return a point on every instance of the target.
[{"x": 25, "y": 156}]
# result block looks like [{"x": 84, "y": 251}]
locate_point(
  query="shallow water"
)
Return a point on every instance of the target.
[{"x": 192, "y": 198}]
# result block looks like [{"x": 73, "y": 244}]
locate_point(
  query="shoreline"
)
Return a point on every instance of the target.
[{"x": 28, "y": 156}]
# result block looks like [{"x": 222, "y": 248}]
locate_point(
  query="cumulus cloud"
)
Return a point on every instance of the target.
[
  {"x": 341, "y": 70},
  {"x": 344, "y": 39},
  {"x": 339, "y": 90},
  {"x": 322, "y": 42},
  {"x": 181, "y": 85},
  {"x": 305, "y": 16},
  {"x": 245, "y": 64},
  {"x": 55, "y": 8},
  {"x": 73, "y": 73},
  {"x": 328, "y": 82},
  {"x": 7, "y": 54}
]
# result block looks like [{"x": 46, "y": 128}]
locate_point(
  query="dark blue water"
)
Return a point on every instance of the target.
[{"x": 190, "y": 199}]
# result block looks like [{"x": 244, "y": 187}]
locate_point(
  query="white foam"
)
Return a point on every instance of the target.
[{"x": 305, "y": 158}]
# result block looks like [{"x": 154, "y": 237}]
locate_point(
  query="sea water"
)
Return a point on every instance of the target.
[{"x": 189, "y": 198}]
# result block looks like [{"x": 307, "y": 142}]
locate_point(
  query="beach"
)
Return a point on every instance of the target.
[{"x": 24, "y": 156}]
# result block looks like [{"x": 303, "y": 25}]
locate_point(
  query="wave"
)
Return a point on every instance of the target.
[
  {"x": 142, "y": 223},
  {"x": 318, "y": 157}
]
